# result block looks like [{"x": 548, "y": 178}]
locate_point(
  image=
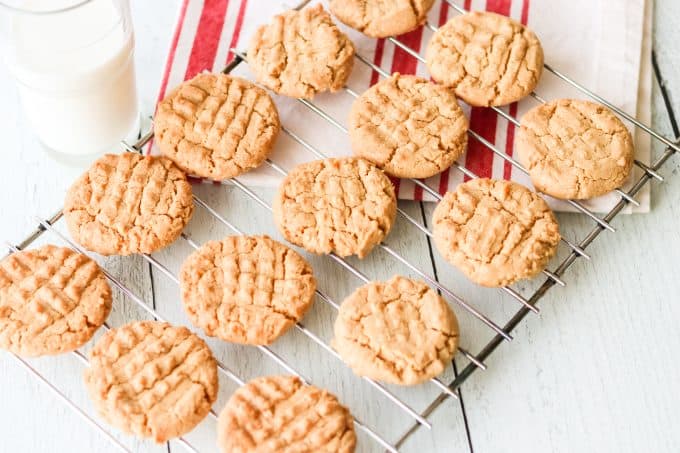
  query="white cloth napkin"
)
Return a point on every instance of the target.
[{"x": 603, "y": 44}]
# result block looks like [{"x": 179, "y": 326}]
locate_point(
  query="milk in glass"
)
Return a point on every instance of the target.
[{"x": 75, "y": 72}]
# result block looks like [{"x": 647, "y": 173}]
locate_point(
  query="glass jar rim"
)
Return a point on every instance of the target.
[{"x": 7, "y": 5}]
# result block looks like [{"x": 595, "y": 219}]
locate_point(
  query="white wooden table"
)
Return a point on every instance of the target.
[{"x": 595, "y": 371}]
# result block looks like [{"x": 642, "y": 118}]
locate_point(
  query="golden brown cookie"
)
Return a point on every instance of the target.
[
  {"x": 408, "y": 126},
  {"x": 301, "y": 53},
  {"x": 246, "y": 289},
  {"x": 487, "y": 58},
  {"x": 346, "y": 206},
  {"x": 217, "y": 126},
  {"x": 128, "y": 203},
  {"x": 399, "y": 331},
  {"x": 495, "y": 232},
  {"x": 381, "y": 18},
  {"x": 574, "y": 149},
  {"x": 52, "y": 300},
  {"x": 281, "y": 414},
  {"x": 152, "y": 379}
]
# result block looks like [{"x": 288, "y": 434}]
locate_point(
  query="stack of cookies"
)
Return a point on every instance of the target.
[{"x": 159, "y": 381}]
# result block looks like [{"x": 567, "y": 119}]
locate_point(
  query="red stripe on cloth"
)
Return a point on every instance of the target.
[
  {"x": 525, "y": 12},
  {"x": 396, "y": 182},
  {"x": 404, "y": 63},
  {"x": 444, "y": 176},
  {"x": 510, "y": 137},
  {"x": 377, "y": 59},
  {"x": 170, "y": 60},
  {"x": 509, "y": 143},
  {"x": 443, "y": 13},
  {"x": 444, "y": 181},
  {"x": 375, "y": 77},
  {"x": 499, "y": 6},
  {"x": 237, "y": 29},
  {"x": 479, "y": 158},
  {"x": 209, "y": 30},
  {"x": 173, "y": 49}
]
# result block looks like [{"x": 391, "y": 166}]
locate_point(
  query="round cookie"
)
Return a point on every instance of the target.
[
  {"x": 345, "y": 206},
  {"x": 408, "y": 126},
  {"x": 281, "y": 414},
  {"x": 152, "y": 379},
  {"x": 399, "y": 331},
  {"x": 495, "y": 232},
  {"x": 301, "y": 53},
  {"x": 246, "y": 289},
  {"x": 52, "y": 300},
  {"x": 216, "y": 126},
  {"x": 574, "y": 149},
  {"x": 128, "y": 203},
  {"x": 381, "y": 18},
  {"x": 488, "y": 59}
]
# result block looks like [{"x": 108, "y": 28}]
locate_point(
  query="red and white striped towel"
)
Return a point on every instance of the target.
[{"x": 597, "y": 42}]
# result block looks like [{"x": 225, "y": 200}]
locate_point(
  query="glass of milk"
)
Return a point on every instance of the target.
[{"x": 74, "y": 67}]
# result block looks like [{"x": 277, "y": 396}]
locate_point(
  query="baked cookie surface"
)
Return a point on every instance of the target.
[
  {"x": 152, "y": 379},
  {"x": 345, "y": 206},
  {"x": 399, "y": 331},
  {"x": 128, "y": 203},
  {"x": 301, "y": 53},
  {"x": 487, "y": 58},
  {"x": 381, "y": 18},
  {"x": 216, "y": 126},
  {"x": 495, "y": 232},
  {"x": 408, "y": 126},
  {"x": 281, "y": 414},
  {"x": 575, "y": 149},
  {"x": 246, "y": 289},
  {"x": 52, "y": 300}
]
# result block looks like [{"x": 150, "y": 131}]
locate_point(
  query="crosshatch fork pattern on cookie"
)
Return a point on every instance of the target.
[{"x": 501, "y": 333}]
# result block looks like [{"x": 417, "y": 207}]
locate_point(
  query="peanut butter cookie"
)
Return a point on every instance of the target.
[
  {"x": 399, "y": 331},
  {"x": 246, "y": 289},
  {"x": 346, "y": 206},
  {"x": 381, "y": 18},
  {"x": 217, "y": 126},
  {"x": 408, "y": 126},
  {"x": 574, "y": 149},
  {"x": 495, "y": 232},
  {"x": 128, "y": 203},
  {"x": 152, "y": 379},
  {"x": 52, "y": 300},
  {"x": 281, "y": 414},
  {"x": 301, "y": 53},
  {"x": 487, "y": 58}
]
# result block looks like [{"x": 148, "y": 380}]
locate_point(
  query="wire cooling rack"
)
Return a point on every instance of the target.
[{"x": 474, "y": 360}]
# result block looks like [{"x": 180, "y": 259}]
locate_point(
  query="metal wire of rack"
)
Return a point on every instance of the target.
[{"x": 474, "y": 361}]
